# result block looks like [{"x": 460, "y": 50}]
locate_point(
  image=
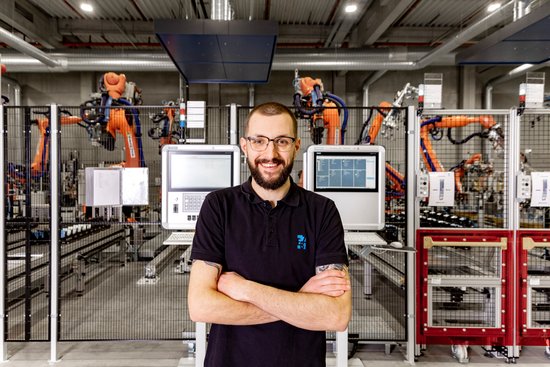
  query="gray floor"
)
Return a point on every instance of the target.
[{"x": 174, "y": 354}]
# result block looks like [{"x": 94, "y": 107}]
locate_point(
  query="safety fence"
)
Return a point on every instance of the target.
[
  {"x": 483, "y": 257},
  {"x": 117, "y": 281},
  {"x": 532, "y": 230}
]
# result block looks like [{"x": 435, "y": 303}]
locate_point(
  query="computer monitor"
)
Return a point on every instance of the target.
[
  {"x": 189, "y": 173},
  {"x": 353, "y": 177}
]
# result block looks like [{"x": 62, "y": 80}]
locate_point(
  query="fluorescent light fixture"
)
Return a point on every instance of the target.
[
  {"x": 493, "y": 6},
  {"x": 87, "y": 7},
  {"x": 351, "y": 8},
  {"x": 520, "y": 68}
]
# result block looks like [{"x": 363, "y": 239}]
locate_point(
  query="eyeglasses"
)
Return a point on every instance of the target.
[{"x": 282, "y": 143}]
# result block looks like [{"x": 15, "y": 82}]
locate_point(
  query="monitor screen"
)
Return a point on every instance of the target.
[
  {"x": 200, "y": 171},
  {"x": 353, "y": 177},
  {"x": 346, "y": 171},
  {"x": 189, "y": 173}
]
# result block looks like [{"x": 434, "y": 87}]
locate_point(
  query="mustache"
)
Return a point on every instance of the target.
[{"x": 273, "y": 160}]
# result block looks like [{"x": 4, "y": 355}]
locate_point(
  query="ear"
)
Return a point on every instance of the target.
[
  {"x": 297, "y": 144},
  {"x": 244, "y": 146}
]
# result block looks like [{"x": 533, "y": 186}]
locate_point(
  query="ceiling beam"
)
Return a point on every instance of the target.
[
  {"x": 31, "y": 22},
  {"x": 380, "y": 16},
  {"x": 343, "y": 24},
  {"x": 86, "y": 27},
  {"x": 414, "y": 34}
]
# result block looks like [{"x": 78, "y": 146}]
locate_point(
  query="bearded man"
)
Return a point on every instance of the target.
[{"x": 269, "y": 261}]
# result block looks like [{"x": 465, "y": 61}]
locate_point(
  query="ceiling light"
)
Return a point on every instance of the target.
[
  {"x": 350, "y": 8},
  {"x": 493, "y": 6},
  {"x": 87, "y": 7}
]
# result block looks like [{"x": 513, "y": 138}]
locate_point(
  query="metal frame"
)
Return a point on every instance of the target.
[
  {"x": 54, "y": 258},
  {"x": 502, "y": 333},
  {"x": 3, "y": 269}
]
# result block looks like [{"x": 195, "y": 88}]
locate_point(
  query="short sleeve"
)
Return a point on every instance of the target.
[
  {"x": 208, "y": 243},
  {"x": 330, "y": 245}
]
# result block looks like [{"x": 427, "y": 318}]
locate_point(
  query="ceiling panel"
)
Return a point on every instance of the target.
[
  {"x": 301, "y": 12},
  {"x": 442, "y": 13}
]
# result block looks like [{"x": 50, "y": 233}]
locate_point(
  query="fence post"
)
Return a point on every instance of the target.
[{"x": 54, "y": 217}]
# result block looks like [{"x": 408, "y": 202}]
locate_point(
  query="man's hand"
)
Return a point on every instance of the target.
[
  {"x": 232, "y": 285},
  {"x": 329, "y": 282}
]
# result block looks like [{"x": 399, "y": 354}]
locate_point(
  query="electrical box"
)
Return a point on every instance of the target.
[
  {"x": 523, "y": 186},
  {"x": 423, "y": 187}
]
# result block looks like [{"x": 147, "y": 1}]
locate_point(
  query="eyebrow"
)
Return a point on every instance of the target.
[{"x": 263, "y": 136}]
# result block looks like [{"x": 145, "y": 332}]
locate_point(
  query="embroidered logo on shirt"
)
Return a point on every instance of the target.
[{"x": 301, "y": 242}]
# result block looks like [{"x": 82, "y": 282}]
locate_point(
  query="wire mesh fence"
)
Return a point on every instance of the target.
[
  {"x": 117, "y": 279},
  {"x": 534, "y": 150},
  {"x": 27, "y": 222},
  {"x": 474, "y": 147},
  {"x": 465, "y": 286},
  {"x": 534, "y": 286}
]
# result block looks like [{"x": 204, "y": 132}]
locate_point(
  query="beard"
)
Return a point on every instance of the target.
[{"x": 267, "y": 183}]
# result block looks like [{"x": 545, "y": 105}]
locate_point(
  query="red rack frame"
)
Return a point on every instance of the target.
[
  {"x": 464, "y": 335},
  {"x": 527, "y": 335}
]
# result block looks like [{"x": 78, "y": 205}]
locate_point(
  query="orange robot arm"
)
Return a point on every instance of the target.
[
  {"x": 115, "y": 84},
  {"x": 170, "y": 112},
  {"x": 377, "y": 123},
  {"x": 396, "y": 178},
  {"x": 461, "y": 169},
  {"x": 332, "y": 123},
  {"x": 42, "y": 149},
  {"x": 118, "y": 122},
  {"x": 428, "y": 154}
]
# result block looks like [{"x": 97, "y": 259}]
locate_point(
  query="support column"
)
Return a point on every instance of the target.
[{"x": 468, "y": 91}]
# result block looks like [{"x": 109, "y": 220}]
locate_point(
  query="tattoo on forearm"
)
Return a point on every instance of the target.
[
  {"x": 217, "y": 266},
  {"x": 322, "y": 268}
]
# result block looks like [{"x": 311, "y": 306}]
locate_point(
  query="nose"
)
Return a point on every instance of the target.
[{"x": 271, "y": 149}]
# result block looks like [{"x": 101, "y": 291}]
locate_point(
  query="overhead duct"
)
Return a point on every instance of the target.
[
  {"x": 24, "y": 47},
  {"x": 221, "y": 10},
  {"x": 326, "y": 59}
]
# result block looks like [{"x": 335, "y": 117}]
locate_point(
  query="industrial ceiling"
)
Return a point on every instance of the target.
[{"x": 311, "y": 34}]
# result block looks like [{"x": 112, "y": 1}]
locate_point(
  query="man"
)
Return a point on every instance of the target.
[{"x": 256, "y": 252}]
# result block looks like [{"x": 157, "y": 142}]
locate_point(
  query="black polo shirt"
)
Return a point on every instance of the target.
[{"x": 279, "y": 247}]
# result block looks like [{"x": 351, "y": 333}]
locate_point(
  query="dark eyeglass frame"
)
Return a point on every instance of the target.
[{"x": 275, "y": 140}]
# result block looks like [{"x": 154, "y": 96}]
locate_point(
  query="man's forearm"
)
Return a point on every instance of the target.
[
  {"x": 304, "y": 310},
  {"x": 207, "y": 304},
  {"x": 215, "y": 307}
]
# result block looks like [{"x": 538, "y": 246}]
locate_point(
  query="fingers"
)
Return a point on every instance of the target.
[
  {"x": 331, "y": 273},
  {"x": 329, "y": 285}
]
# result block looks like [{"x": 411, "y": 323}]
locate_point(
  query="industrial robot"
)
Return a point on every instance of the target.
[
  {"x": 109, "y": 112},
  {"x": 321, "y": 109}
]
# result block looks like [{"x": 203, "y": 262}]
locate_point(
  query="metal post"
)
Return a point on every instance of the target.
[
  {"x": 513, "y": 221},
  {"x": 54, "y": 251},
  {"x": 412, "y": 211},
  {"x": 200, "y": 351},
  {"x": 342, "y": 348},
  {"x": 3, "y": 272},
  {"x": 233, "y": 124}
]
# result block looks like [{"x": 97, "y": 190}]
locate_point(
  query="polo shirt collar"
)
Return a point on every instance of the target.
[{"x": 292, "y": 198}]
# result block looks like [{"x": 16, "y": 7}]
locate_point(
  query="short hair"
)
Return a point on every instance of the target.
[{"x": 273, "y": 109}]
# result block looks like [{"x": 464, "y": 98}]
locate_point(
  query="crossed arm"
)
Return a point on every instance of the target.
[{"x": 323, "y": 303}]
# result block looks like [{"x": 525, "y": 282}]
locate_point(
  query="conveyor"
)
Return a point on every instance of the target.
[{"x": 85, "y": 245}]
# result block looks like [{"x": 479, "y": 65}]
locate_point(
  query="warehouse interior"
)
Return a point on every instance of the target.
[{"x": 454, "y": 91}]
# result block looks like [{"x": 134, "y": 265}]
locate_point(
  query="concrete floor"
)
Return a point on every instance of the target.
[{"x": 175, "y": 354}]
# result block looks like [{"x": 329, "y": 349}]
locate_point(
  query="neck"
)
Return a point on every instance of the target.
[{"x": 273, "y": 196}]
